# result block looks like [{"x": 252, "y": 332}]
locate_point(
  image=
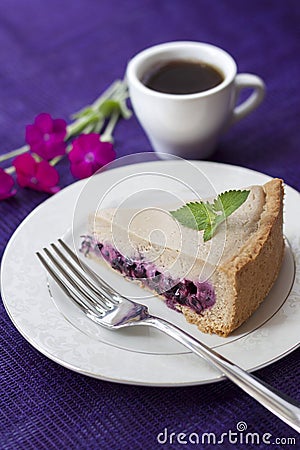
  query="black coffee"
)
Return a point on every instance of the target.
[{"x": 182, "y": 77}]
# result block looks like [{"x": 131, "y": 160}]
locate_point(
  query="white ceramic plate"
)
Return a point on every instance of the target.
[{"x": 48, "y": 320}]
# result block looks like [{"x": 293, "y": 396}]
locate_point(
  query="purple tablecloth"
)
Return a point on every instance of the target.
[{"x": 57, "y": 56}]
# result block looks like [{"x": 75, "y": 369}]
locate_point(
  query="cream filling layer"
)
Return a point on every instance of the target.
[{"x": 154, "y": 235}]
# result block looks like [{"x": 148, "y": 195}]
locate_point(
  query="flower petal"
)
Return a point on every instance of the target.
[
  {"x": 88, "y": 154},
  {"x": 58, "y": 149},
  {"x": 89, "y": 142},
  {"x": 25, "y": 164},
  {"x": 59, "y": 128},
  {"x": 32, "y": 134},
  {"x": 4, "y": 196},
  {"x": 49, "y": 150},
  {"x": 53, "y": 149},
  {"x": 47, "y": 175},
  {"x": 46, "y": 136},
  {"x": 40, "y": 176},
  {"x": 6, "y": 185},
  {"x": 23, "y": 180},
  {"x": 81, "y": 170},
  {"x": 41, "y": 149},
  {"x": 53, "y": 189},
  {"x": 77, "y": 153},
  {"x": 105, "y": 153},
  {"x": 44, "y": 122}
]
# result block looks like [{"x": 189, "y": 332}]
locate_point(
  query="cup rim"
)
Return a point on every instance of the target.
[{"x": 139, "y": 58}]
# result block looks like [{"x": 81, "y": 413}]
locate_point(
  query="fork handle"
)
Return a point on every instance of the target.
[{"x": 279, "y": 404}]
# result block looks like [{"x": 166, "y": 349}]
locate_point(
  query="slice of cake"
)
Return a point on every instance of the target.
[{"x": 218, "y": 283}]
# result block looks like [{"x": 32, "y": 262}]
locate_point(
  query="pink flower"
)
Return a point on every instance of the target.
[
  {"x": 88, "y": 154},
  {"x": 40, "y": 176},
  {"x": 6, "y": 185},
  {"x": 46, "y": 136}
]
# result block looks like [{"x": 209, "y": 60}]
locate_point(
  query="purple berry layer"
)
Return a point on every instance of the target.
[{"x": 196, "y": 295}]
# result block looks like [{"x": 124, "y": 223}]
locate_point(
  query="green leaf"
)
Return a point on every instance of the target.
[
  {"x": 185, "y": 216},
  {"x": 208, "y": 233},
  {"x": 208, "y": 216},
  {"x": 193, "y": 215},
  {"x": 230, "y": 201}
]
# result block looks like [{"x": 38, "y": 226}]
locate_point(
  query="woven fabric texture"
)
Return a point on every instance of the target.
[{"x": 57, "y": 57}]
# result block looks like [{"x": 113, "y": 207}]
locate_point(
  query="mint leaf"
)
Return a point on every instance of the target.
[
  {"x": 230, "y": 201},
  {"x": 208, "y": 216},
  {"x": 193, "y": 215},
  {"x": 209, "y": 231},
  {"x": 211, "y": 226}
]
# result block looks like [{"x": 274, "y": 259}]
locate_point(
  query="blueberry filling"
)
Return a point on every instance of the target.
[{"x": 196, "y": 295}]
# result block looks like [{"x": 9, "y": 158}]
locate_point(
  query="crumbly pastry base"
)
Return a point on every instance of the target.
[
  {"x": 248, "y": 277},
  {"x": 242, "y": 282}
]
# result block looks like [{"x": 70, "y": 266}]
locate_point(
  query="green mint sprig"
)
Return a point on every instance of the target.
[{"x": 205, "y": 216}]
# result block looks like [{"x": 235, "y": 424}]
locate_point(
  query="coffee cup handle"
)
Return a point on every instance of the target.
[{"x": 247, "y": 81}]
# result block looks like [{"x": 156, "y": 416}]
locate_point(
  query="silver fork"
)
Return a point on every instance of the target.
[{"x": 108, "y": 308}]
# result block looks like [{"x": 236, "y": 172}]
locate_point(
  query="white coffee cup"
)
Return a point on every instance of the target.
[{"x": 190, "y": 125}]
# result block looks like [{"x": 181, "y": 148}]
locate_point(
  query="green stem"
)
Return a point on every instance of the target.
[
  {"x": 79, "y": 125},
  {"x": 107, "y": 94},
  {"x": 107, "y": 134},
  {"x": 56, "y": 160},
  {"x": 10, "y": 170},
  {"x": 14, "y": 153}
]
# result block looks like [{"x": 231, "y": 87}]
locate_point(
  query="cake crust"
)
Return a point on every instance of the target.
[
  {"x": 242, "y": 279},
  {"x": 250, "y": 275}
]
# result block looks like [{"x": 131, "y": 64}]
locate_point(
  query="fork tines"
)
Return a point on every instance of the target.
[{"x": 77, "y": 279}]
